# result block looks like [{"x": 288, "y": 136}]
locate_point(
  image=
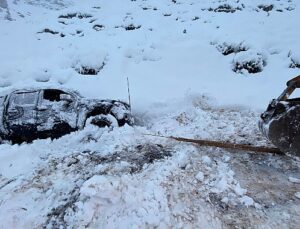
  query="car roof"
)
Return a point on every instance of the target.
[
  {"x": 25, "y": 90},
  {"x": 28, "y": 90}
]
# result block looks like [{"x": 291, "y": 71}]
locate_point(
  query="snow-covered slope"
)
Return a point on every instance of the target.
[
  {"x": 169, "y": 49},
  {"x": 197, "y": 68}
]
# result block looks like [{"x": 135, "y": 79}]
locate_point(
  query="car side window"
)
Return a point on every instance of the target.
[
  {"x": 57, "y": 96},
  {"x": 53, "y": 95},
  {"x": 24, "y": 99}
]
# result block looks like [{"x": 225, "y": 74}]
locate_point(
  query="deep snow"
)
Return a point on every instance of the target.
[{"x": 181, "y": 84}]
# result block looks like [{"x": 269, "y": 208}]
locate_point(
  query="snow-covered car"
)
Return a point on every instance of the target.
[
  {"x": 280, "y": 123},
  {"x": 30, "y": 114}
]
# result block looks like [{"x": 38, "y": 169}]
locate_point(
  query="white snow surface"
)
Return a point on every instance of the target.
[
  {"x": 161, "y": 61},
  {"x": 180, "y": 84}
]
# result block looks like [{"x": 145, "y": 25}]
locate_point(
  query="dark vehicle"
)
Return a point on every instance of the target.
[
  {"x": 280, "y": 123},
  {"x": 26, "y": 115}
]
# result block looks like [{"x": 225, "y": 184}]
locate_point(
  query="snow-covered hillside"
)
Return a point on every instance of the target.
[
  {"x": 166, "y": 48},
  {"x": 197, "y": 68}
]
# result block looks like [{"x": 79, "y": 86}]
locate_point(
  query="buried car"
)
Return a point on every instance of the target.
[
  {"x": 280, "y": 123},
  {"x": 26, "y": 115}
]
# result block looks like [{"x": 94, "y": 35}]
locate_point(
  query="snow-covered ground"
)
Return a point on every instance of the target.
[{"x": 185, "y": 60}]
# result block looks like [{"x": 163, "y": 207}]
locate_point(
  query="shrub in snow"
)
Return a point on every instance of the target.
[
  {"x": 295, "y": 59},
  {"x": 86, "y": 70},
  {"x": 129, "y": 27},
  {"x": 295, "y": 63},
  {"x": 89, "y": 64},
  {"x": 229, "y": 48},
  {"x": 290, "y": 8},
  {"x": 249, "y": 62},
  {"x": 77, "y": 15},
  {"x": 226, "y": 8},
  {"x": 98, "y": 27},
  {"x": 132, "y": 27},
  {"x": 266, "y": 8},
  {"x": 49, "y": 31}
]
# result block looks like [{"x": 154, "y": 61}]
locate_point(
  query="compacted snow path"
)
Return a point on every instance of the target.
[{"x": 197, "y": 69}]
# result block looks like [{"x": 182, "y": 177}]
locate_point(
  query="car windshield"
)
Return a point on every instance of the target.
[{"x": 25, "y": 98}]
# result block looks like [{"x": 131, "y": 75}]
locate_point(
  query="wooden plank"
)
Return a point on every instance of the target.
[{"x": 221, "y": 144}]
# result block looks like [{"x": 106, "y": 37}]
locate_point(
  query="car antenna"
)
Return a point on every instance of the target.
[{"x": 129, "y": 100}]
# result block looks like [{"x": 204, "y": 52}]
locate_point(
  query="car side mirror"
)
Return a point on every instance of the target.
[{"x": 66, "y": 97}]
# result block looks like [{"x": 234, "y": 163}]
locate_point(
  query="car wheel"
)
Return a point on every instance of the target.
[{"x": 103, "y": 121}]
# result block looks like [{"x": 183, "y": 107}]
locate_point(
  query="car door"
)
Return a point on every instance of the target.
[
  {"x": 56, "y": 111},
  {"x": 21, "y": 113}
]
